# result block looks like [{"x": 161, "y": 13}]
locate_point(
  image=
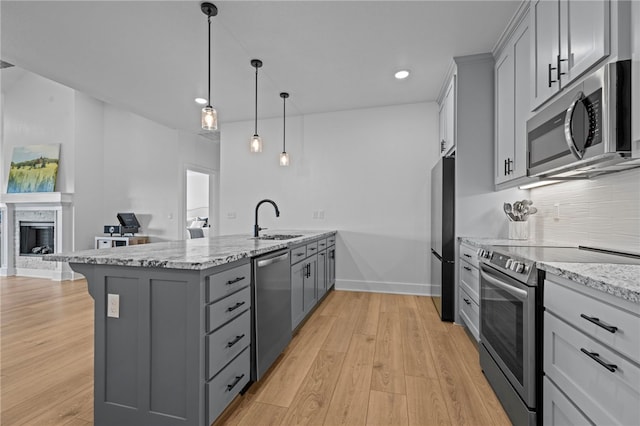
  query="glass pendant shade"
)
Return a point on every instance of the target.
[
  {"x": 284, "y": 159},
  {"x": 209, "y": 118},
  {"x": 255, "y": 144}
]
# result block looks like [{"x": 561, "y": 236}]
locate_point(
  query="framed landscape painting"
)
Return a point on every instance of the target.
[{"x": 34, "y": 168}]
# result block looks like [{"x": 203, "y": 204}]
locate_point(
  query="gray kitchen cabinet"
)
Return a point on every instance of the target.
[
  {"x": 635, "y": 69},
  {"x": 568, "y": 38},
  {"x": 512, "y": 106},
  {"x": 322, "y": 273},
  {"x": 331, "y": 262},
  {"x": 312, "y": 275},
  {"x": 591, "y": 355},
  {"x": 469, "y": 289},
  {"x": 179, "y": 350},
  {"x": 447, "y": 118}
]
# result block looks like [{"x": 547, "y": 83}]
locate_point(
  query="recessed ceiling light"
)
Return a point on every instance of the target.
[
  {"x": 402, "y": 74},
  {"x": 201, "y": 101}
]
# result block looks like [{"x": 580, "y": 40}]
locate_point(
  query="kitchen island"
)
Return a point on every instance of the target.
[{"x": 172, "y": 335}]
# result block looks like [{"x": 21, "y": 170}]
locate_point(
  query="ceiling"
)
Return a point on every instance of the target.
[{"x": 150, "y": 57}]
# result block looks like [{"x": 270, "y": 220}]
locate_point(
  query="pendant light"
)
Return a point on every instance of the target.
[
  {"x": 209, "y": 114},
  {"x": 255, "y": 144},
  {"x": 284, "y": 157}
]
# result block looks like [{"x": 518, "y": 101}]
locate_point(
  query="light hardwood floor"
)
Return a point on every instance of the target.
[{"x": 362, "y": 358}]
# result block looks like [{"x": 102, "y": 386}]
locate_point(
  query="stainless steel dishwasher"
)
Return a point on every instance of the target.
[{"x": 271, "y": 310}]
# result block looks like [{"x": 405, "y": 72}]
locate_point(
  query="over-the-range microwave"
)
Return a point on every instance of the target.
[{"x": 587, "y": 131}]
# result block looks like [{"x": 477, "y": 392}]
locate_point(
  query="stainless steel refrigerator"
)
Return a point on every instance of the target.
[{"x": 443, "y": 237}]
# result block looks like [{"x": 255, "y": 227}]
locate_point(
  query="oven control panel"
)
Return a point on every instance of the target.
[
  {"x": 506, "y": 262},
  {"x": 485, "y": 254}
]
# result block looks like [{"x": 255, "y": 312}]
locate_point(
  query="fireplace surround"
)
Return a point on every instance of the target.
[{"x": 32, "y": 225}]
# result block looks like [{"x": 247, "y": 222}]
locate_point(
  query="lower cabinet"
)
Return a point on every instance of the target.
[
  {"x": 469, "y": 289},
  {"x": 591, "y": 361},
  {"x": 312, "y": 275}
]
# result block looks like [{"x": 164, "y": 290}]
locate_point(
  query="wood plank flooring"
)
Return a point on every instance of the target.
[{"x": 361, "y": 359}]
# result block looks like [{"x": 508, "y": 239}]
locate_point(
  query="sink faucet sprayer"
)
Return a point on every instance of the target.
[{"x": 256, "y": 228}]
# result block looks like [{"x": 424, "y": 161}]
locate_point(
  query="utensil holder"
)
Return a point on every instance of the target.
[{"x": 519, "y": 230}]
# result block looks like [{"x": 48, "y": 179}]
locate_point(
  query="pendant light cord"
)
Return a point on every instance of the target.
[
  {"x": 284, "y": 124},
  {"x": 209, "y": 53},
  {"x": 255, "y": 132}
]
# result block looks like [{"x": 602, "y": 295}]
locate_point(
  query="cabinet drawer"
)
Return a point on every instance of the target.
[
  {"x": 227, "y": 342},
  {"x": 570, "y": 304},
  {"x": 604, "y": 396},
  {"x": 470, "y": 313},
  {"x": 227, "y": 282},
  {"x": 225, "y": 309},
  {"x": 221, "y": 390},
  {"x": 470, "y": 280},
  {"x": 322, "y": 244},
  {"x": 298, "y": 253},
  {"x": 312, "y": 248},
  {"x": 557, "y": 409},
  {"x": 470, "y": 254},
  {"x": 331, "y": 241}
]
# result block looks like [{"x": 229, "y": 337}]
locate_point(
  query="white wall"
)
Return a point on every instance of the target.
[
  {"x": 601, "y": 212},
  {"x": 111, "y": 160},
  {"x": 367, "y": 170}
]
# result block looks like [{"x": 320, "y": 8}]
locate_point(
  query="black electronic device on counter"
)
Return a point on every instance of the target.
[
  {"x": 128, "y": 223},
  {"x": 111, "y": 229}
]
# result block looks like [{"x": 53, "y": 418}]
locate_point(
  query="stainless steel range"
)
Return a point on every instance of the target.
[{"x": 511, "y": 320}]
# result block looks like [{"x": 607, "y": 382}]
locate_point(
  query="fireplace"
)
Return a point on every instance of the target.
[{"x": 36, "y": 238}]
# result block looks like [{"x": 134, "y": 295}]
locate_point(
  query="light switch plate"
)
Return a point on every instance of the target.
[{"x": 113, "y": 305}]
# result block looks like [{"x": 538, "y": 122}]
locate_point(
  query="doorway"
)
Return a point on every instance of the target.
[{"x": 198, "y": 197}]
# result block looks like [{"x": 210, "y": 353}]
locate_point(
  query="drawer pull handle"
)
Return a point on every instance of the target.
[
  {"x": 467, "y": 255},
  {"x": 596, "y": 357},
  {"x": 466, "y": 301},
  {"x": 299, "y": 254},
  {"x": 235, "y": 382},
  {"x": 235, "y": 280},
  {"x": 234, "y": 307},
  {"x": 234, "y": 341},
  {"x": 312, "y": 248},
  {"x": 596, "y": 321},
  {"x": 467, "y": 268}
]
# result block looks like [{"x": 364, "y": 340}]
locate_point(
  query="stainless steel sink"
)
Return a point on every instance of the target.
[{"x": 278, "y": 237}]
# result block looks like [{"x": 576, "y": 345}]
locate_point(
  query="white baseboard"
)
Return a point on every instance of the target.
[
  {"x": 384, "y": 287},
  {"x": 55, "y": 275}
]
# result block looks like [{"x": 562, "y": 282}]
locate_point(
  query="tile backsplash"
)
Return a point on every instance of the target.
[{"x": 601, "y": 212}]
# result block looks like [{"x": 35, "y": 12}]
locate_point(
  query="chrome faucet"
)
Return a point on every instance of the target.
[{"x": 256, "y": 228}]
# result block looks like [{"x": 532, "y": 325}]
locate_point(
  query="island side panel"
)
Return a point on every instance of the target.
[{"x": 154, "y": 349}]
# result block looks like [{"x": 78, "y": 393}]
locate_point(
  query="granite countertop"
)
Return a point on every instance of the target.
[
  {"x": 194, "y": 254},
  {"x": 480, "y": 242},
  {"x": 621, "y": 280}
]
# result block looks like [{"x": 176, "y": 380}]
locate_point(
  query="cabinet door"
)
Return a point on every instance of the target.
[
  {"x": 331, "y": 270},
  {"x": 505, "y": 114},
  {"x": 442, "y": 127},
  {"x": 557, "y": 409},
  {"x": 635, "y": 69},
  {"x": 450, "y": 112},
  {"x": 545, "y": 45},
  {"x": 297, "y": 293},
  {"x": 310, "y": 284},
  {"x": 584, "y": 36},
  {"x": 522, "y": 104},
  {"x": 322, "y": 274}
]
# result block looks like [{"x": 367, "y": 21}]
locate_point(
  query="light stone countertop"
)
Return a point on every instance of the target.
[
  {"x": 480, "y": 242},
  {"x": 193, "y": 254},
  {"x": 621, "y": 280}
]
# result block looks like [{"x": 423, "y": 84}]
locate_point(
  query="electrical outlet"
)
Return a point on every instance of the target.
[
  {"x": 231, "y": 215},
  {"x": 556, "y": 211},
  {"x": 113, "y": 305},
  {"x": 315, "y": 214},
  {"x": 321, "y": 214}
]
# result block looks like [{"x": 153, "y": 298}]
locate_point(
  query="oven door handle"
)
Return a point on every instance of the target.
[{"x": 520, "y": 294}]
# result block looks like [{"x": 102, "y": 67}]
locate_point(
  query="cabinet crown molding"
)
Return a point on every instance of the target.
[{"x": 520, "y": 15}]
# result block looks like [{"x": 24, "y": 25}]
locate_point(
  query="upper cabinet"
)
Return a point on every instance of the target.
[
  {"x": 512, "y": 72},
  {"x": 568, "y": 38},
  {"x": 447, "y": 118}
]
